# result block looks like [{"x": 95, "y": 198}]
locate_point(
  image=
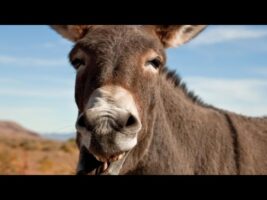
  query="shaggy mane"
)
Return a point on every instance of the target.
[{"x": 176, "y": 80}]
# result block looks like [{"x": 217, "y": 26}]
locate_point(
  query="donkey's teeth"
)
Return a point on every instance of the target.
[
  {"x": 113, "y": 159},
  {"x": 100, "y": 159},
  {"x": 105, "y": 166},
  {"x": 117, "y": 157},
  {"x": 121, "y": 156}
]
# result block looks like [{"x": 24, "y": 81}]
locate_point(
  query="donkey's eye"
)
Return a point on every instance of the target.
[
  {"x": 154, "y": 63},
  {"x": 77, "y": 63}
]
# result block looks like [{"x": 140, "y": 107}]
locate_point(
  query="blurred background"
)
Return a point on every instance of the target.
[{"x": 226, "y": 66}]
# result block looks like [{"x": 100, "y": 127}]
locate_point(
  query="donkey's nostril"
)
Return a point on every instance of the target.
[
  {"x": 131, "y": 121},
  {"x": 81, "y": 121}
]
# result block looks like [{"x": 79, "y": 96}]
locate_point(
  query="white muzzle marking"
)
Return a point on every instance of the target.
[{"x": 106, "y": 101}]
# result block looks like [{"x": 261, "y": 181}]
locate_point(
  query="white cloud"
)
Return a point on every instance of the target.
[
  {"x": 60, "y": 43},
  {"x": 259, "y": 71},
  {"x": 245, "y": 96},
  {"x": 32, "y": 62},
  {"x": 41, "y": 107},
  {"x": 4, "y": 80},
  {"x": 41, "y": 119},
  {"x": 57, "y": 87},
  {"x": 221, "y": 34},
  {"x": 42, "y": 92}
]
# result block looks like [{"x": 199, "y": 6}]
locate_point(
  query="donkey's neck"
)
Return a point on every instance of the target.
[{"x": 189, "y": 138}]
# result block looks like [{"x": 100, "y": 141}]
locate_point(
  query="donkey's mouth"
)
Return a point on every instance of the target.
[
  {"x": 107, "y": 164},
  {"x": 94, "y": 165}
]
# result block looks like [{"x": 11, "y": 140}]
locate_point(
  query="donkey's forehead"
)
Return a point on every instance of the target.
[
  {"x": 119, "y": 32},
  {"x": 120, "y": 38}
]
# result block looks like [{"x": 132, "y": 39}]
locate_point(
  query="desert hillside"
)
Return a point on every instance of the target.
[
  {"x": 23, "y": 151},
  {"x": 13, "y": 130}
]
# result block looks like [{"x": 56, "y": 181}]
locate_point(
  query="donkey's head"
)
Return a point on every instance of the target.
[{"x": 116, "y": 87}]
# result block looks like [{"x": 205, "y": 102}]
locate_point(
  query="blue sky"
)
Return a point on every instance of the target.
[{"x": 225, "y": 65}]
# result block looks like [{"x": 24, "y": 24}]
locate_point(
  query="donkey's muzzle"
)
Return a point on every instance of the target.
[
  {"x": 101, "y": 121},
  {"x": 108, "y": 129},
  {"x": 110, "y": 122}
]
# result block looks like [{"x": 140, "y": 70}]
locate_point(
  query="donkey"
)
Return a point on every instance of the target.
[{"x": 137, "y": 117}]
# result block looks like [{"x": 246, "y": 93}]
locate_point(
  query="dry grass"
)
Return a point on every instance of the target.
[{"x": 37, "y": 156}]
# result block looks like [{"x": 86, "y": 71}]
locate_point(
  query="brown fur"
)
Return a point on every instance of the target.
[{"x": 180, "y": 134}]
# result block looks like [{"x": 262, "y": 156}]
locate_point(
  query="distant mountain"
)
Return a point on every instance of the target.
[
  {"x": 12, "y": 129},
  {"x": 59, "y": 136}
]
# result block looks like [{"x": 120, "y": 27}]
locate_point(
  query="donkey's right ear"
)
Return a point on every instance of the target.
[{"x": 72, "y": 32}]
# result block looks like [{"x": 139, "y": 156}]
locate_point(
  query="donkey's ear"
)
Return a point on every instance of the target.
[
  {"x": 176, "y": 35},
  {"x": 72, "y": 32}
]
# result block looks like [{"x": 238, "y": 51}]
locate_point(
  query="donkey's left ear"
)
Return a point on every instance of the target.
[{"x": 176, "y": 35}]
